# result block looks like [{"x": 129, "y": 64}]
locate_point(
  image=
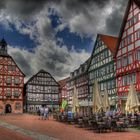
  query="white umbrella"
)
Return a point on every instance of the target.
[
  {"x": 97, "y": 100},
  {"x": 75, "y": 102},
  {"x": 132, "y": 102},
  {"x": 106, "y": 103}
]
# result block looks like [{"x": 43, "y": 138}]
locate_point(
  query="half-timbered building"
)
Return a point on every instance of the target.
[
  {"x": 128, "y": 52},
  {"x": 101, "y": 67},
  {"x": 41, "y": 90},
  {"x": 79, "y": 78},
  {"x": 11, "y": 83},
  {"x": 63, "y": 89}
]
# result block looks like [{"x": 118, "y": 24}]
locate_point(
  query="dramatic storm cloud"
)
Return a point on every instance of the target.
[{"x": 31, "y": 18}]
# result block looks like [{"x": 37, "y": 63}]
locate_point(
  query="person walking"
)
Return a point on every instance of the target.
[
  {"x": 42, "y": 110},
  {"x": 46, "y": 111}
]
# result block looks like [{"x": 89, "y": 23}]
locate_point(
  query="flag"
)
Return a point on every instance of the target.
[{"x": 64, "y": 104}]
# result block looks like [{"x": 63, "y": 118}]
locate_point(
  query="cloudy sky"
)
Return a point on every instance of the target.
[{"x": 56, "y": 35}]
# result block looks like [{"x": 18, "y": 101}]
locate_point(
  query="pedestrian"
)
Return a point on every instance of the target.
[
  {"x": 38, "y": 112},
  {"x": 41, "y": 112},
  {"x": 50, "y": 112},
  {"x": 46, "y": 111}
]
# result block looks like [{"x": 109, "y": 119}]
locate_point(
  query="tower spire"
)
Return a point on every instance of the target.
[{"x": 3, "y": 47}]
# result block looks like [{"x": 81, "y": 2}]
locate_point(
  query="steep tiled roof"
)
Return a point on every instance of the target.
[{"x": 110, "y": 42}]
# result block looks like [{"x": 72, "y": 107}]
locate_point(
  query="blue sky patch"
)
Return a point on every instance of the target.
[
  {"x": 72, "y": 39},
  {"x": 69, "y": 39},
  {"x": 14, "y": 38}
]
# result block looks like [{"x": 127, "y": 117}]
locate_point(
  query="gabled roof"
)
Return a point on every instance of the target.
[
  {"x": 137, "y": 2},
  {"x": 40, "y": 71},
  {"x": 110, "y": 42},
  {"x": 63, "y": 82},
  {"x": 8, "y": 56},
  {"x": 83, "y": 72},
  {"x": 17, "y": 66}
]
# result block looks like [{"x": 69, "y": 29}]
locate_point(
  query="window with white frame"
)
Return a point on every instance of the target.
[
  {"x": 129, "y": 39},
  {"x": 138, "y": 54},
  {"x": 129, "y": 58},
  {"x": 11, "y": 67},
  {"x": 134, "y": 78},
  {"x": 125, "y": 60},
  {"x": 124, "y": 80},
  {"x": 17, "y": 80},
  {"x": 102, "y": 86},
  {"x": 18, "y": 106},
  {"x": 8, "y": 93},
  {"x": 16, "y": 93},
  {"x": 107, "y": 69},
  {"x": 9, "y": 80},
  {"x": 106, "y": 53},
  {"x": 111, "y": 67},
  {"x": 114, "y": 83},
  {"x": 119, "y": 63},
  {"x": 137, "y": 34},
  {"x": 102, "y": 71},
  {"x": 122, "y": 43}
]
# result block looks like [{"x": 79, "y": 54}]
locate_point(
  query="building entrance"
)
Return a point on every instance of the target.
[{"x": 8, "y": 108}]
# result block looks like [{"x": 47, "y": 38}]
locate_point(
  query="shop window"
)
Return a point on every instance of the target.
[{"x": 18, "y": 106}]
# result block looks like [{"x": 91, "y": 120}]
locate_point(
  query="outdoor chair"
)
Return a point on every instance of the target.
[
  {"x": 90, "y": 124},
  {"x": 94, "y": 126},
  {"x": 100, "y": 127},
  {"x": 85, "y": 122},
  {"x": 119, "y": 126},
  {"x": 80, "y": 122}
]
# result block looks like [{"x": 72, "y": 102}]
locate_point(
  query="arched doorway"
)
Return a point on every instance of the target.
[{"x": 8, "y": 108}]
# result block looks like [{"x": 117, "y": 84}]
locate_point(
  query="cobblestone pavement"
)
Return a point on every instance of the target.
[
  {"x": 25, "y": 132},
  {"x": 30, "y": 125},
  {"x": 7, "y": 134}
]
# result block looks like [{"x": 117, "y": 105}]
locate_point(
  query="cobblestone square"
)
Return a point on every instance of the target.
[{"x": 29, "y": 127}]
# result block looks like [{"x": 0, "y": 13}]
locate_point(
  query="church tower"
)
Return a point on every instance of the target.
[{"x": 3, "y": 47}]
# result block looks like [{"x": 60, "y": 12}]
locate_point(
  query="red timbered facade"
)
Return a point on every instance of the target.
[
  {"x": 63, "y": 89},
  {"x": 11, "y": 83},
  {"x": 128, "y": 52}
]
